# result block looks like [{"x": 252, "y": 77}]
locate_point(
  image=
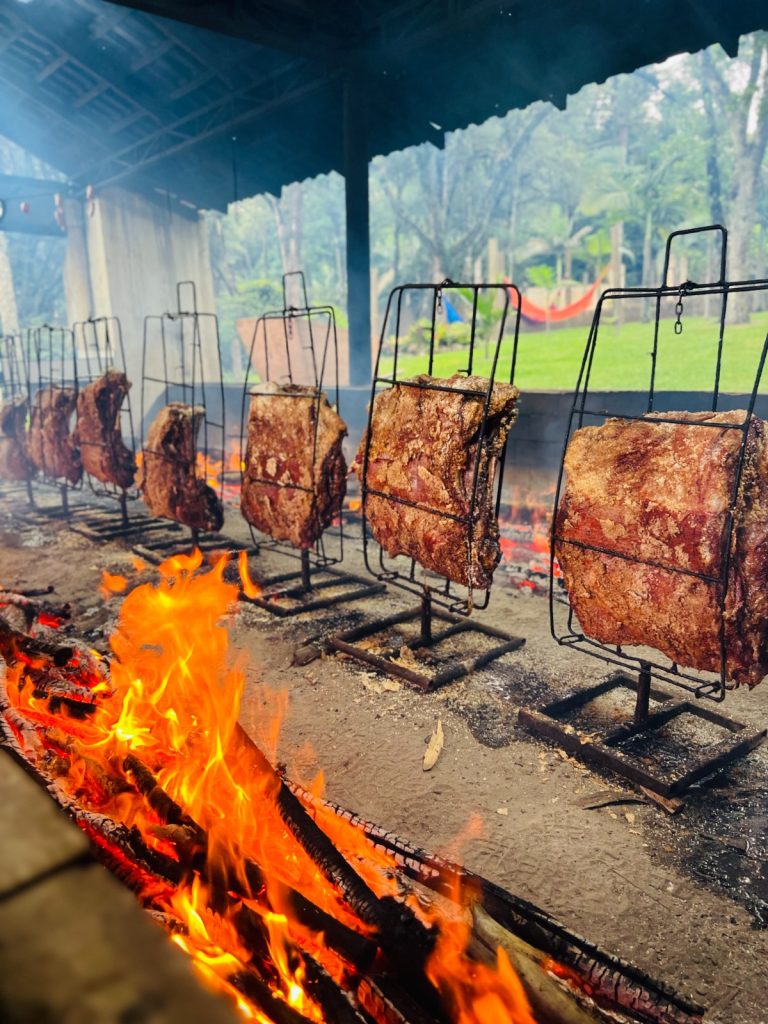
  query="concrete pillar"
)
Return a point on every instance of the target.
[
  {"x": 9, "y": 313},
  {"x": 358, "y": 232},
  {"x": 77, "y": 274}
]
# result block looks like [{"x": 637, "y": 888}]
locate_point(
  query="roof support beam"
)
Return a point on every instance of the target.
[
  {"x": 151, "y": 55},
  {"x": 51, "y": 68},
  {"x": 218, "y": 128},
  {"x": 86, "y": 98}
]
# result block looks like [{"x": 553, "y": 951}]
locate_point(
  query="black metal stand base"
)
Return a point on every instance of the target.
[
  {"x": 41, "y": 515},
  {"x": 293, "y": 593},
  {"x": 14, "y": 492},
  {"x": 387, "y": 660},
  {"x": 108, "y": 524},
  {"x": 174, "y": 540},
  {"x": 552, "y": 723}
]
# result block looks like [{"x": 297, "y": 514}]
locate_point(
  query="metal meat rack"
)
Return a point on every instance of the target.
[
  {"x": 185, "y": 345},
  {"x": 98, "y": 347},
  {"x": 304, "y": 350},
  {"x": 14, "y": 383},
  {"x": 50, "y": 361},
  {"x": 628, "y": 748},
  {"x": 440, "y": 599}
]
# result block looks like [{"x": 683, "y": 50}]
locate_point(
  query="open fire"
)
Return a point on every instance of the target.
[{"x": 282, "y": 903}]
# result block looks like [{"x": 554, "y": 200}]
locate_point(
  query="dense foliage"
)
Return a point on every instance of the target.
[{"x": 542, "y": 195}]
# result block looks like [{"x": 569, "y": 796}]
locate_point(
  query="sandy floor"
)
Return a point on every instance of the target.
[{"x": 681, "y": 896}]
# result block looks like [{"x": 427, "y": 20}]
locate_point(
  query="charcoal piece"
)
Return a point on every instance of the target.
[
  {"x": 50, "y": 444},
  {"x": 167, "y": 475},
  {"x": 15, "y": 463},
  {"x": 295, "y": 474},
  {"x": 105, "y": 457},
  {"x": 660, "y": 493},
  {"x": 423, "y": 450}
]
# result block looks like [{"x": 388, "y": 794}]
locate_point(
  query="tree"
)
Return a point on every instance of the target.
[{"x": 738, "y": 92}]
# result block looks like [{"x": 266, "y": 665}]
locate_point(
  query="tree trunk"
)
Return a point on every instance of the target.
[
  {"x": 288, "y": 223},
  {"x": 746, "y": 114}
]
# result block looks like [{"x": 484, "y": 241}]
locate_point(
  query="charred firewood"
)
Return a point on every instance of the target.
[
  {"x": 386, "y": 1002},
  {"x": 164, "y": 806},
  {"x": 549, "y": 998},
  {"x": 16, "y": 646},
  {"x": 613, "y": 982},
  {"x": 400, "y": 933},
  {"x": 336, "y": 1004},
  {"x": 260, "y": 994},
  {"x": 179, "y": 828},
  {"x": 113, "y": 836},
  {"x": 33, "y": 610}
]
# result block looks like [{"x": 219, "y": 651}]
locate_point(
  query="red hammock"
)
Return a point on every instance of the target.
[{"x": 540, "y": 315}]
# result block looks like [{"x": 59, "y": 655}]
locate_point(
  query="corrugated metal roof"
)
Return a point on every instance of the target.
[{"x": 110, "y": 92}]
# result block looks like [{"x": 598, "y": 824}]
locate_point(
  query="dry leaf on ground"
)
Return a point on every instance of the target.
[{"x": 434, "y": 747}]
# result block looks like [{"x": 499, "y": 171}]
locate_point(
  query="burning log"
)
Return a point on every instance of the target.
[
  {"x": 192, "y": 840},
  {"x": 401, "y": 935},
  {"x": 47, "y": 614},
  {"x": 610, "y": 980},
  {"x": 383, "y": 999},
  {"x": 551, "y": 999},
  {"x": 16, "y": 646},
  {"x": 255, "y": 990},
  {"x": 291, "y": 962},
  {"x": 166, "y": 808}
]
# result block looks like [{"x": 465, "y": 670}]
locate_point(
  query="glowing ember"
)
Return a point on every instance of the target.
[{"x": 162, "y": 755}]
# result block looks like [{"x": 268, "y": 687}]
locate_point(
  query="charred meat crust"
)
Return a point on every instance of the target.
[
  {"x": 15, "y": 463},
  {"x": 105, "y": 457},
  {"x": 167, "y": 476},
  {"x": 423, "y": 448},
  {"x": 51, "y": 446},
  {"x": 660, "y": 493},
  {"x": 294, "y": 479}
]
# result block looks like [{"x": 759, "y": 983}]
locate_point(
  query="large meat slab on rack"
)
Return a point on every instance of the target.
[
  {"x": 644, "y": 516},
  {"x": 50, "y": 443},
  {"x": 167, "y": 476},
  {"x": 14, "y": 460},
  {"x": 294, "y": 477},
  {"x": 427, "y": 439},
  {"x": 104, "y": 454}
]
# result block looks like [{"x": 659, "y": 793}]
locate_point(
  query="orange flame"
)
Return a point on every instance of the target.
[{"x": 173, "y": 699}]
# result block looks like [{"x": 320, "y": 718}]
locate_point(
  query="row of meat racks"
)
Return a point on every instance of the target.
[{"x": 438, "y": 553}]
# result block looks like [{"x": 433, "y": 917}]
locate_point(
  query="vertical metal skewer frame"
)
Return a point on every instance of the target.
[
  {"x": 99, "y": 347},
  {"x": 14, "y": 383},
  {"x": 639, "y": 670},
  {"x": 51, "y": 364},
  {"x": 189, "y": 349},
  {"x": 435, "y": 592},
  {"x": 310, "y": 343}
]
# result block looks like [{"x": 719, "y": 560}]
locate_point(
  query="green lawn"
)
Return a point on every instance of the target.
[{"x": 551, "y": 359}]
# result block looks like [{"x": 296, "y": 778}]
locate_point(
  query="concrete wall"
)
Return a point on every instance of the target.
[{"x": 125, "y": 255}]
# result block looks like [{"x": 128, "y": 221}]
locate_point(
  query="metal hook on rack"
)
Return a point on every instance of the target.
[{"x": 684, "y": 289}]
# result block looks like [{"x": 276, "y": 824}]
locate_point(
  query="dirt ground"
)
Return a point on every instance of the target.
[{"x": 685, "y": 897}]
